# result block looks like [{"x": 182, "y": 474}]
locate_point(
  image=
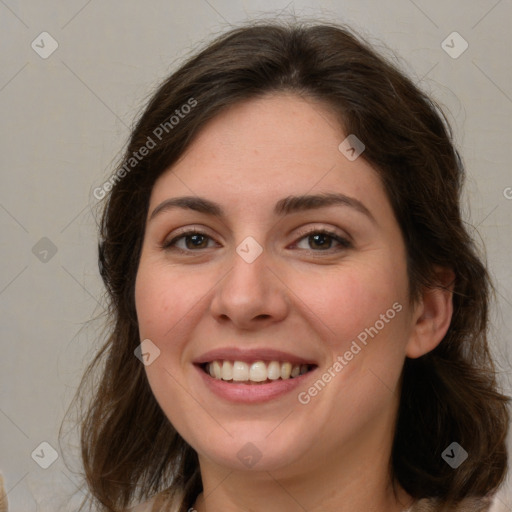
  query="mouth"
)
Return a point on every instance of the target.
[
  {"x": 257, "y": 373},
  {"x": 251, "y": 376}
]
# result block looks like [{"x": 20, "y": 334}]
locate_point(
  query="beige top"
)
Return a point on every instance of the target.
[
  {"x": 154, "y": 504},
  {"x": 424, "y": 505}
]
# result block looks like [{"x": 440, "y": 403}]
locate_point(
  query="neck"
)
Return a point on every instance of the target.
[
  {"x": 329, "y": 476},
  {"x": 365, "y": 487}
]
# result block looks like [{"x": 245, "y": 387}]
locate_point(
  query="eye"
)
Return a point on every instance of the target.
[
  {"x": 189, "y": 241},
  {"x": 317, "y": 240},
  {"x": 322, "y": 240}
]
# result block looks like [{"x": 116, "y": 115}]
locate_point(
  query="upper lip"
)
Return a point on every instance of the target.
[{"x": 250, "y": 356}]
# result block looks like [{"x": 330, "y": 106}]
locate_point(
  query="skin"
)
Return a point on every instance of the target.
[{"x": 331, "y": 454}]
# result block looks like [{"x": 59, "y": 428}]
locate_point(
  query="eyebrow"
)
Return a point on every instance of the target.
[{"x": 286, "y": 206}]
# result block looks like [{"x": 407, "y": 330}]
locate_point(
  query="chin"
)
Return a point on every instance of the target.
[{"x": 255, "y": 449}]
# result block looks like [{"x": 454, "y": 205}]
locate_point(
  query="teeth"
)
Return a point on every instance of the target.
[
  {"x": 227, "y": 370},
  {"x": 259, "y": 371},
  {"x": 286, "y": 370},
  {"x": 240, "y": 371},
  {"x": 274, "y": 370},
  {"x": 217, "y": 370}
]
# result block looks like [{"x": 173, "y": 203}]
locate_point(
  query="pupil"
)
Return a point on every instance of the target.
[
  {"x": 197, "y": 240},
  {"x": 321, "y": 238}
]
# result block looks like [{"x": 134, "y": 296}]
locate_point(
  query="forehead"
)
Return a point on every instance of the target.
[{"x": 265, "y": 149}]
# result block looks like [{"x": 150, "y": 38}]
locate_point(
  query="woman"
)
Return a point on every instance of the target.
[{"x": 299, "y": 315}]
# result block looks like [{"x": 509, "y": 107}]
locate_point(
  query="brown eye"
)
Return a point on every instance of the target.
[
  {"x": 196, "y": 241},
  {"x": 320, "y": 241},
  {"x": 189, "y": 241},
  {"x": 323, "y": 241}
]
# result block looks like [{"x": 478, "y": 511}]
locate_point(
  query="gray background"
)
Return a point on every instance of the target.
[{"x": 65, "y": 119}]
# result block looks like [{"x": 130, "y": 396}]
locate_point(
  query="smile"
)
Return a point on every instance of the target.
[
  {"x": 258, "y": 372},
  {"x": 254, "y": 375}
]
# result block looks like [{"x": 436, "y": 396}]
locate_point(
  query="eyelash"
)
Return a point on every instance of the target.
[{"x": 343, "y": 242}]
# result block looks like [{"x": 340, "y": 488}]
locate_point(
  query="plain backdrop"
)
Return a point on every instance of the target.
[{"x": 66, "y": 117}]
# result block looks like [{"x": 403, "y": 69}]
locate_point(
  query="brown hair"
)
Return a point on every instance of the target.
[{"x": 129, "y": 448}]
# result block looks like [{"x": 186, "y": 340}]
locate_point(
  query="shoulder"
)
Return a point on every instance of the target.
[{"x": 466, "y": 505}]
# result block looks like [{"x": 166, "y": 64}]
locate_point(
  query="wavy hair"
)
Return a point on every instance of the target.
[{"x": 129, "y": 448}]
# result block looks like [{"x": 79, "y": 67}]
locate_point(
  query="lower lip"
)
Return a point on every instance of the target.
[{"x": 252, "y": 393}]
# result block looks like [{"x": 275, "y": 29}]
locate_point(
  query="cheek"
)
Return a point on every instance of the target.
[
  {"x": 162, "y": 305},
  {"x": 152, "y": 301},
  {"x": 365, "y": 310},
  {"x": 163, "y": 298},
  {"x": 351, "y": 298}
]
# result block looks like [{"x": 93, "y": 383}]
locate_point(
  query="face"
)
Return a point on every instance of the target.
[{"x": 248, "y": 279}]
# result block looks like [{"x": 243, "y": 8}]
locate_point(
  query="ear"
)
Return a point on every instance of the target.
[{"x": 432, "y": 315}]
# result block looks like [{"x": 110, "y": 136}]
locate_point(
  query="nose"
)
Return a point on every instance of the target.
[{"x": 250, "y": 296}]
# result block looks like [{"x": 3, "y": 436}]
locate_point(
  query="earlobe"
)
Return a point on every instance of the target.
[{"x": 432, "y": 316}]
